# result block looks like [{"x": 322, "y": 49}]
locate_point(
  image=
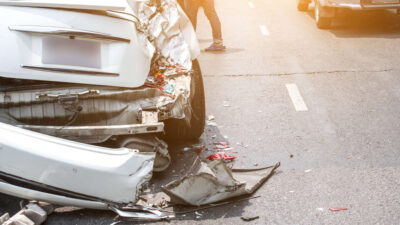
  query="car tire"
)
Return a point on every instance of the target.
[
  {"x": 179, "y": 129},
  {"x": 302, "y": 6},
  {"x": 322, "y": 22}
]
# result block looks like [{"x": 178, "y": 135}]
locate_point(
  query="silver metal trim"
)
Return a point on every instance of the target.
[
  {"x": 69, "y": 70},
  {"x": 70, "y": 32},
  {"x": 96, "y": 130},
  {"x": 354, "y": 6}
]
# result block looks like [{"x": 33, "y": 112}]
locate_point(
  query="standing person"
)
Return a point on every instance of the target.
[{"x": 192, "y": 7}]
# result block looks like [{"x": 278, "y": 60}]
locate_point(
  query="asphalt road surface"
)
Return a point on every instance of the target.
[{"x": 324, "y": 103}]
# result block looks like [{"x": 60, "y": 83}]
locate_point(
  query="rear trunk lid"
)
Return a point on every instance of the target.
[{"x": 70, "y": 45}]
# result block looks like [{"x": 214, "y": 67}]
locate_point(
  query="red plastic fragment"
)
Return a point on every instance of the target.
[
  {"x": 335, "y": 209},
  {"x": 220, "y": 155}
]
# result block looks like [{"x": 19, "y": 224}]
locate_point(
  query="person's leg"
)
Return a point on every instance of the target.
[
  {"x": 209, "y": 10},
  {"x": 182, "y": 4},
  {"x": 192, "y": 7}
]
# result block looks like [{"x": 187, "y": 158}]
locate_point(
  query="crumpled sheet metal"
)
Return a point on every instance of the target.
[
  {"x": 169, "y": 30},
  {"x": 215, "y": 181},
  {"x": 96, "y": 173}
]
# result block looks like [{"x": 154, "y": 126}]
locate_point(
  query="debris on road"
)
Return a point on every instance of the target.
[
  {"x": 141, "y": 213},
  {"x": 226, "y": 104},
  {"x": 211, "y": 123},
  {"x": 214, "y": 181},
  {"x": 307, "y": 171},
  {"x": 4, "y": 218},
  {"x": 31, "y": 214},
  {"x": 198, "y": 215},
  {"x": 197, "y": 148},
  {"x": 220, "y": 155},
  {"x": 336, "y": 209},
  {"x": 211, "y": 117},
  {"x": 247, "y": 219},
  {"x": 221, "y": 145}
]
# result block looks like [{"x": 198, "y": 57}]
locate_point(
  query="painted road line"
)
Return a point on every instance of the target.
[
  {"x": 264, "y": 30},
  {"x": 251, "y": 5},
  {"x": 295, "y": 95}
]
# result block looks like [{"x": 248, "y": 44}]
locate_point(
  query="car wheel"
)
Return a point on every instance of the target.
[
  {"x": 302, "y": 6},
  {"x": 180, "y": 129},
  {"x": 322, "y": 22}
]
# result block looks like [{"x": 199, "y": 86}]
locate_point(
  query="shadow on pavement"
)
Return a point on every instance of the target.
[{"x": 365, "y": 24}]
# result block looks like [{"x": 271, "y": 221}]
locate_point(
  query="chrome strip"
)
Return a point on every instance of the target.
[
  {"x": 68, "y": 32},
  {"x": 68, "y": 70}
]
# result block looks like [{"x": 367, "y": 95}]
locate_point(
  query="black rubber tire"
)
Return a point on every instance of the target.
[
  {"x": 302, "y": 5},
  {"x": 322, "y": 22},
  {"x": 179, "y": 129}
]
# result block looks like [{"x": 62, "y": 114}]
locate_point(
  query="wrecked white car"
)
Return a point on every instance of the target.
[{"x": 104, "y": 73}]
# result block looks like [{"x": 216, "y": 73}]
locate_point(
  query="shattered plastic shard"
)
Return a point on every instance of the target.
[{"x": 221, "y": 155}]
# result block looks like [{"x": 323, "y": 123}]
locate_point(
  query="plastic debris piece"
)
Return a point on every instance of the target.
[
  {"x": 335, "y": 209},
  {"x": 211, "y": 117},
  {"x": 198, "y": 215},
  {"x": 169, "y": 88},
  {"x": 220, "y": 155},
  {"x": 186, "y": 149},
  {"x": 307, "y": 171},
  {"x": 320, "y": 209},
  {"x": 4, "y": 218},
  {"x": 211, "y": 123},
  {"x": 214, "y": 181},
  {"x": 226, "y": 104},
  {"x": 247, "y": 218}
]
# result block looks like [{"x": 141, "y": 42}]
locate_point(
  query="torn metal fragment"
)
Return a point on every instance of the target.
[
  {"x": 140, "y": 212},
  {"x": 215, "y": 181}
]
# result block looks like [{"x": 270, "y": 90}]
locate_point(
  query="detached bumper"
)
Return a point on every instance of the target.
[{"x": 41, "y": 167}]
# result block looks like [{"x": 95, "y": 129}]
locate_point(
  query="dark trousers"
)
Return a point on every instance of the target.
[{"x": 192, "y": 7}]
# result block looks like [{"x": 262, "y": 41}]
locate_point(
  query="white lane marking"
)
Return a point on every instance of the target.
[
  {"x": 295, "y": 95},
  {"x": 251, "y": 5},
  {"x": 264, "y": 30}
]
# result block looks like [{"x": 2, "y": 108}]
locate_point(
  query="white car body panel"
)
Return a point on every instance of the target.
[
  {"x": 131, "y": 61},
  {"x": 114, "y": 175},
  {"x": 69, "y": 4},
  {"x": 28, "y": 55}
]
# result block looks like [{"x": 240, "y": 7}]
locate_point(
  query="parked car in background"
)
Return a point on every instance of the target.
[{"x": 326, "y": 10}]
